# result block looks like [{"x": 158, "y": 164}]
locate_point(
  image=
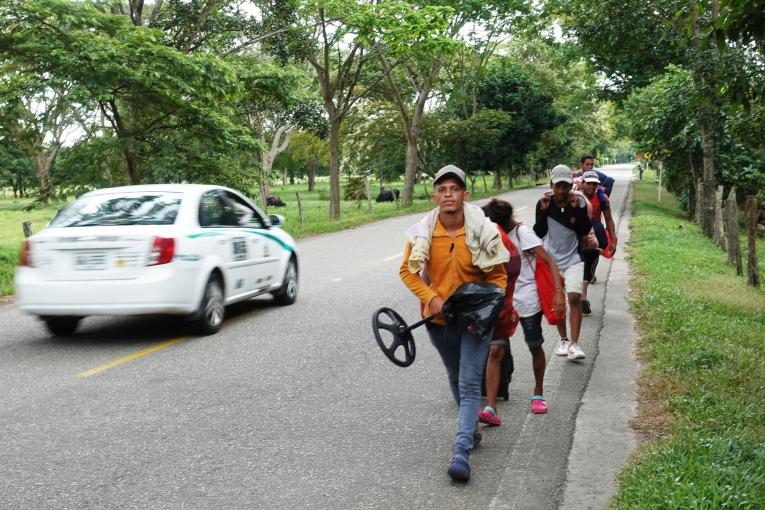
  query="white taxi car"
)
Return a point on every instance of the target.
[{"x": 183, "y": 249}]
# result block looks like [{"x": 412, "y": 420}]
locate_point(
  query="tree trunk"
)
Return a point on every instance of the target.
[
  {"x": 719, "y": 232},
  {"x": 497, "y": 179},
  {"x": 131, "y": 158},
  {"x": 751, "y": 231},
  {"x": 699, "y": 201},
  {"x": 263, "y": 188},
  {"x": 732, "y": 233},
  {"x": 312, "y": 174},
  {"x": 411, "y": 169},
  {"x": 461, "y": 155},
  {"x": 692, "y": 189},
  {"x": 708, "y": 177},
  {"x": 263, "y": 184},
  {"x": 510, "y": 176},
  {"x": 334, "y": 168},
  {"x": 42, "y": 172}
]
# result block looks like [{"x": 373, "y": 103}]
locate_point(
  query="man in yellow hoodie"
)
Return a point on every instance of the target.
[{"x": 453, "y": 245}]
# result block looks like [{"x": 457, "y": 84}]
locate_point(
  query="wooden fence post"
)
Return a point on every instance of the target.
[
  {"x": 369, "y": 194},
  {"x": 719, "y": 233},
  {"x": 751, "y": 230},
  {"x": 27, "y": 226},
  {"x": 732, "y": 232},
  {"x": 300, "y": 207}
]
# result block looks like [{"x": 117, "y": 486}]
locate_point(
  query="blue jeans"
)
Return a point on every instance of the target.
[{"x": 464, "y": 356}]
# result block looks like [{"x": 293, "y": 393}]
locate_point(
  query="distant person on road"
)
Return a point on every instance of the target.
[
  {"x": 587, "y": 163},
  {"x": 561, "y": 221},
  {"x": 525, "y": 301},
  {"x": 454, "y": 244},
  {"x": 600, "y": 207}
]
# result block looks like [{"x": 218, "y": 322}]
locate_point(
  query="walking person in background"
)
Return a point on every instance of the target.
[
  {"x": 586, "y": 164},
  {"x": 453, "y": 244},
  {"x": 600, "y": 208},
  {"x": 525, "y": 295},
  {"x": 561, "y": 221}
]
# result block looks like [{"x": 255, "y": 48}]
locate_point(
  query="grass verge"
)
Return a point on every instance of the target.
[{"x": 703, "y": 386}]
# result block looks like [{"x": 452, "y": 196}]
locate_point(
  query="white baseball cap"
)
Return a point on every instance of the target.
[{"x": 561, "y": 173}]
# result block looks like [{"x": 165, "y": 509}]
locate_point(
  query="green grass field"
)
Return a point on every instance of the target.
[
  {"x": 315, "y": 216},
  {"x": 12, "y": 215},
  {"x": 701, "y": 393}
]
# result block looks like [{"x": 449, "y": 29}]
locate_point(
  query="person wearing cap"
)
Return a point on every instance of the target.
[
  {"x": 525, "y": 298},
  {"x": 561, "y": 221},
  {"x": 587, "y": 163},
  {"x": 600, "y": 207},
  {"x": 453, "y": 244}
]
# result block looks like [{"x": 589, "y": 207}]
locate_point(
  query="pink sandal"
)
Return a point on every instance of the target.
[
  {"x": 489, "y": 416},
  {"x": 538, "y": 404}
]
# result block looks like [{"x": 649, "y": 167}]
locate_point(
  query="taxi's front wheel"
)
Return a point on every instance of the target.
[{"x": 287, "y": 293}]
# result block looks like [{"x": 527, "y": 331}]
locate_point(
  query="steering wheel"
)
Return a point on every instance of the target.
[{"x": 387, "y": 325}]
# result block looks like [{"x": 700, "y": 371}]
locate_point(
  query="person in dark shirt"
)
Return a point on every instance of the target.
[{"x": 586, "y": 164}]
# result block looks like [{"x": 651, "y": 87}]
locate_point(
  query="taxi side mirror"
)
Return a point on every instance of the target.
[{"x": 276, "y": 220}]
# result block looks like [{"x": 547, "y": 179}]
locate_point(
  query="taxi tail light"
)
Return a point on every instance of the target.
[
  {"x": 26, "y": 255},
  {"x": 162, "y": 251}
]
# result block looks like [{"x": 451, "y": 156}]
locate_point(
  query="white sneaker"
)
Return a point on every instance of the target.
[
  {"x": 575, "y": 352},
  {"x": 562, "y": 349}
]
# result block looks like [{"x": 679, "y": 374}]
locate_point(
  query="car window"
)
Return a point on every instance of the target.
[
  {"x": 245, "y": 214},
  {"x": 214, "y": 212},
  {"x": 126, "y": 208}
]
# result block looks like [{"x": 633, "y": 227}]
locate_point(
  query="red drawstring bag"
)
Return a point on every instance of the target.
[
  {"x": 546, "y": 291},
  {"x": 609, "y": 250}
]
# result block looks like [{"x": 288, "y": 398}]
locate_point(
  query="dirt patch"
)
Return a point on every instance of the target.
[
  {"x": 653, "y": 421},
  {"x": 730, "y": 292}
]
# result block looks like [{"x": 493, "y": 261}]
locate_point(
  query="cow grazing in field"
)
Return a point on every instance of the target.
[
  {"x": 274, "y": 201},
  {"x": 388, "y": 195}
]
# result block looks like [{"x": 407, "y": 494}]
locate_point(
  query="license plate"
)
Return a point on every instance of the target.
[{"x": 89, "y": 261}]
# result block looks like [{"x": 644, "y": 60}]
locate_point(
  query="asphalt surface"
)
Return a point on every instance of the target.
[{"x": 296, "y": 407}]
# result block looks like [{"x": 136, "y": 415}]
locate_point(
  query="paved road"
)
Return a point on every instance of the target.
[{"x": 285, "y": 408}]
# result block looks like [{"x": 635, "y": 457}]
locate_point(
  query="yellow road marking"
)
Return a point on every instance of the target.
[
  {"x": 149, "y": 350},
  {"x": 131, "y": 357},
  {"x": 396, "y": 256}
]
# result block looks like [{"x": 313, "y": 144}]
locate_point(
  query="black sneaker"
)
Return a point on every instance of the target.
[{"x": 586, "y": 307}]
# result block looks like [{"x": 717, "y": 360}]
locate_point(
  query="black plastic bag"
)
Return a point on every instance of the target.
[{"x": 476, "y": 303}]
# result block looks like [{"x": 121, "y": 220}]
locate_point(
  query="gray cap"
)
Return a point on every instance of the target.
[
  {"x": 591, "y": 176},
  {"x": 561, "y": 173},
  {"x": 451, "y": 171}
]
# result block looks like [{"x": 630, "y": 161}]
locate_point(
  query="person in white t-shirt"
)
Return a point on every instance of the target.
[{"x": 526, "y": 299}]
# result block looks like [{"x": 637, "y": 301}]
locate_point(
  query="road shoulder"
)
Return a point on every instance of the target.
[{"x": 603, "y": 439}]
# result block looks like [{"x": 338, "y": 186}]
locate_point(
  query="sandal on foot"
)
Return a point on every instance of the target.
[
  {"x": 489, "y": 416},
  {"x": 538, "y": 404}
]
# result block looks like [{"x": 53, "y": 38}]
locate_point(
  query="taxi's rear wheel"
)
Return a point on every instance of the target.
[
  {"x": 62, "y": 326},
  {"x": 287, "y": 293},
  {"x": 209, "y": 316}
]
